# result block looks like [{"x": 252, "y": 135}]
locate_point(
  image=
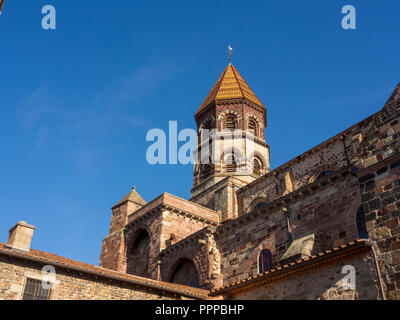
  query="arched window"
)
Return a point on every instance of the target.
[
  {"x": 257, "y": 167},
  {"x": 230, "y": 123},
  {"x": 253, "y": 127},
  {"x": 206, "y": 169},
  {"x": 323, "y": 174},
  {"x": 230, "y": 163},
  {"x": 265, "y": 261},
  {"x": 361, "y": 226},
  {"x": 258, "y": 207},
  {"x": 138, "y": 256},
  {"x": 186, "y": 273}
]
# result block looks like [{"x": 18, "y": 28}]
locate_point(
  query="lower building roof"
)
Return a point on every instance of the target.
[
  {"x": 324, "y": 258},
  {"x": 85, "y": 268}
]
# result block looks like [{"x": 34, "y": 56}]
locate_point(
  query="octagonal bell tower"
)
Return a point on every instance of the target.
[{"x": 234, "y": 120}]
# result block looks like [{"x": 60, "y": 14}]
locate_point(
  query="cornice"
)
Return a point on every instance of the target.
[
  {"x": 379, "y": 164},
  {"x": 228, "y": 180},
  {"x": 227, "y": 102},
  {"x": 162, "y": 207}
]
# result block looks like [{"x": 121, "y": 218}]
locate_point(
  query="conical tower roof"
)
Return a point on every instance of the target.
[{"x": 230, "y": 85}]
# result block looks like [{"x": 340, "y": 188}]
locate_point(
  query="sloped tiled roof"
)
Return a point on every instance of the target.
[
  {"x": 61, "y": 262},
  {"x": 131, "y": 196},
  {"x": 281, "y": 271},
  {"x": 230, "y": 85}
]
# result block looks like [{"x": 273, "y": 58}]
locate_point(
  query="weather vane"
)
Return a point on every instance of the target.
[{"x": 230, "y": 53}]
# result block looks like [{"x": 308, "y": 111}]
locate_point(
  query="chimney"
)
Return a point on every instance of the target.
[{"x": 20, "y": 236}]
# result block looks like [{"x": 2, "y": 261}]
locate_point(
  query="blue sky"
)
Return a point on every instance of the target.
[{"x": 76, "y": 102}]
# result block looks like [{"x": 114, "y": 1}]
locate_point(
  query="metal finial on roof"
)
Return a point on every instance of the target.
[{"x": 230, "y": 53}]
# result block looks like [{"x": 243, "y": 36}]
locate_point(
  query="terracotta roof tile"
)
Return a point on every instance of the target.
[
  {"x": 49, "y": 258},
  {"x": 230, "y": 85},
  {"x": 296, "y": 264}
]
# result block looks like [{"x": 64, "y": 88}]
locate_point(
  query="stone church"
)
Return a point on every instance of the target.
[
  {"x": 324, "y": 225},
  {"x": 285, "y": 233}
]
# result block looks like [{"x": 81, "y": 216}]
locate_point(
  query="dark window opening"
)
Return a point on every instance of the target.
[
  {"x": 324, "y": 174},
  {"x": 259, "y": 206},
  {"x": 230, "y": 123},
  {"x": 361, "y": 226},
  {"x": 186, "y": 273},
  {"x": 206, "y": 170},
  {"x": 253, "y": 127},
  {"x": 138, "y": 256},
  {"x": 34, "y": 291},
  {"x": 265, "y": 261},
  {"x": 257, "y": 167},
  {"x": 230, "y": 164}
]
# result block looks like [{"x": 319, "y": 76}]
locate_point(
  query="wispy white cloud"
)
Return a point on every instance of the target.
[
  {"x": 38, "y": 105},
  {"x": 78, "y": 131},
  {"x": 143, "y": 82},
  {"x": 42, "y": 136}
]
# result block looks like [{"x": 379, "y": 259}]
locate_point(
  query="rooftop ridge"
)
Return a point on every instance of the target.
[
  {"x": 357, "y": 245},
  {"x": 62, "y": 262}
]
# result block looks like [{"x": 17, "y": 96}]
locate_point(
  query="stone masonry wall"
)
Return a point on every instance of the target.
[
  {"x": 72, "y": 285},
  {"x": 377, "y": 137},
  {"x": 152, "y": 224},
  {"x": 380, "y": 187},
  {"x": 165, "y": 220},
  {"x": 302, "y": 171},
  {"x": 113, "y": 246},
  {"x": 112, "y": 252},
  {"x": 367, "y": 142},
  {"x": 198, "y": 253},
  {"x": 323, "y": 284},
  {"x": 329, "y": 212},
  {"x": 164, "y": 228},
  {"x": 243, "y": 110}
]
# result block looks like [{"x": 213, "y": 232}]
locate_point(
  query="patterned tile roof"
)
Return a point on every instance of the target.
[
  {"x": 230, "y": 85},
  {"x": 61, "y": 262}
]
